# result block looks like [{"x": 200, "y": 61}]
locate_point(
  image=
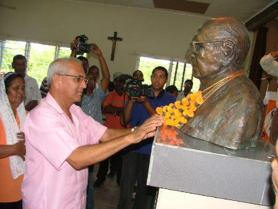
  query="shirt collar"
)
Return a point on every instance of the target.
[
  {"x": 161, "y": 94},
  {"x": 51, "y": 101}
]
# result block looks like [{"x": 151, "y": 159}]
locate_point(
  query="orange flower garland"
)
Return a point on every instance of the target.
[{"x": 178, "y": 113}]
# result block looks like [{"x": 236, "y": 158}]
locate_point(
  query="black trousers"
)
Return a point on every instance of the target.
[
  {"x": 135, "y": 168},
  {"x": 12, "y": 205},
  {"x": 115, "y": 167}
]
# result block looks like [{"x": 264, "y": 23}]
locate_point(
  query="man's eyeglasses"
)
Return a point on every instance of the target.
[
  {"x": 77, "y": 78},
  {"x": 198, "y": 45}
]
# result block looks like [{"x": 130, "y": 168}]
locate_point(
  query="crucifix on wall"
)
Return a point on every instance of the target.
[{"x": 114, "y": 40}]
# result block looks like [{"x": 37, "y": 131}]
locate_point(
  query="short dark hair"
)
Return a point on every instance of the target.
[
  {"x": 171, "y": 89},
  {"x": 162, "y": 69},
  {"x": 189, "y": 80},
  {"x": 94, "y": 66},
  {"x": 9, "y": 77},
  {"x": 136, "y": 71},
  {"x": 19, "y": 57},
  {"x": 82, "y": 58}
]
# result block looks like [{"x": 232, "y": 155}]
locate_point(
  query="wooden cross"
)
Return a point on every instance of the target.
[{"x": 114, "y": 40}]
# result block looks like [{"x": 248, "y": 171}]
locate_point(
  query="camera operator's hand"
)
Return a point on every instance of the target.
[
  {"x": 140, "y": 99},
  {"x": 96, "y": 50},
  {"x": 73, "y": 47}
]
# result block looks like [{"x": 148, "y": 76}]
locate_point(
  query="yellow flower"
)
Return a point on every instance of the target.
[
  {"x": 178, "y": 104},
  {"x": 185, "y": 101},
  {"x": 192, "y": 97},
  {"x": 169, "y": 122},
  {"x": 177, "y": 113},
  {"x": 170, "y": 109},
  {"x": 200, "y": 100},
  {"x": 165, "y": 109},
  {"x": 175, "y": 122},
  {"x": 183, "y": 120},
  {"x": 192, "y": 108},
  {"x": 167, "y": 115},
  {"x": 190, "y": 114},
  {"x": 159, "y": 110}
]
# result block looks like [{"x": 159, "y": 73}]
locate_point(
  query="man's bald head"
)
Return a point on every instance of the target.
[{"x": 60, "y": 66}]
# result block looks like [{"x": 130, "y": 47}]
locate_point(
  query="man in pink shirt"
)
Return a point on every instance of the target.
[{"x": 61, "y": 141}]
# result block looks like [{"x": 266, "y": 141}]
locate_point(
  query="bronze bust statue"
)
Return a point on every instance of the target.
[{"x": 232, "y": 115}]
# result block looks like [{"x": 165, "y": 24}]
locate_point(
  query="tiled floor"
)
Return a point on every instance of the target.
[{"x": 107, "y": 195}]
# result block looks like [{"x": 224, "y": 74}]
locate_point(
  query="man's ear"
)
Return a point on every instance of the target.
[
  {"x": 56, "y": 81},
  {"x": 13, "y": 65}
]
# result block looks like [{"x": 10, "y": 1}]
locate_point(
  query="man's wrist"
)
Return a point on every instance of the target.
[{"x": 133, "y": 129}]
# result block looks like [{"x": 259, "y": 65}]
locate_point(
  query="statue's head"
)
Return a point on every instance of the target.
[{"x": 221, "y": 44}]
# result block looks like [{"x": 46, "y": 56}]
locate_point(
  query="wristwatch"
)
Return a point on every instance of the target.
[{"x": 133, "y": 129}]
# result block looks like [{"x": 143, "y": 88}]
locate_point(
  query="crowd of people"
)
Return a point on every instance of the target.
[{"x": 83, "y": 119}]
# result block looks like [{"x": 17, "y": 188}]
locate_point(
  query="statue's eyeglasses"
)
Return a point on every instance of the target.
[
  {"x": 77, "y": 78},
  {"x": 197, "y": 46}
]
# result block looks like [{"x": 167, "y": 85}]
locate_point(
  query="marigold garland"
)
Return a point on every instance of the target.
[{"x": 178, "y": 113}]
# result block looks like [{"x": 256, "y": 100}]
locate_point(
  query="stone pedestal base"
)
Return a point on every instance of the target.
[{"x": 168, "y": 199}]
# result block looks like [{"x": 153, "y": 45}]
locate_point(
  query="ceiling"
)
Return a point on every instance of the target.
[{"x": 241, "y": 9}]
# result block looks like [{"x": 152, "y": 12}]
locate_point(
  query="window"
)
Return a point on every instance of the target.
[
  {"x": 147, "y": 64},
  {"x": 38, "y": 56},
  {"x": 178, "y": 71},
  {"x": 10, "y": 49},
  {"x": 64, "y": 52}
]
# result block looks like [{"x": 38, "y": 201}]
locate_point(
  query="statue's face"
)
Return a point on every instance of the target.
[{"x": 206, "y": 56}]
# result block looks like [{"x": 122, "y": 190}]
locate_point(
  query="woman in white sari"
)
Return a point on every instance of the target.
[{"x": 12, "y": 148}]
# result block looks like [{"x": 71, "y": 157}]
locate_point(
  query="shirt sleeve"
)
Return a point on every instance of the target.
[
  {"x": 269, "y": 64},
  {"x": 96, "y": 131},
  {"x": 37, "y": 93},
  {"x": 101, "y": 94},
  {"x": 93, "y": 129},
  {"x": 47, "y": 133}
]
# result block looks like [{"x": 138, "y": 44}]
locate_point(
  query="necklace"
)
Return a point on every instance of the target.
[{"x": 178, "y": 113}]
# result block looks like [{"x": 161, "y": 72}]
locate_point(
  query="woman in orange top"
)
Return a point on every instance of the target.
[{"x": 12, "y": 148}]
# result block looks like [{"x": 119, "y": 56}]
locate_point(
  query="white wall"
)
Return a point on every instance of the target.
[{"x": 152, "y": 32}]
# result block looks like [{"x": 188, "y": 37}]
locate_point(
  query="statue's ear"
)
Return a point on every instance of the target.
[{"x": 228, "y": 49}]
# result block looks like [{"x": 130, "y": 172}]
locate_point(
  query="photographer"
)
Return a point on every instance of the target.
[
  {"x": 93, "y": 96},
  {"x": 136, "y": 162}
]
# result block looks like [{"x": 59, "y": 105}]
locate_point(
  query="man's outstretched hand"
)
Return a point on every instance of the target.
[{"x": 147, "y": 129}]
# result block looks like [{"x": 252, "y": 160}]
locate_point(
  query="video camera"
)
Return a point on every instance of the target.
[
  {"x": 82, "y": 45},
  {"x": 135, "y": 88}
]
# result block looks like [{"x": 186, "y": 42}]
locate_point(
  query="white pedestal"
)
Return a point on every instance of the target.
[{"x": 168, "y": 199}]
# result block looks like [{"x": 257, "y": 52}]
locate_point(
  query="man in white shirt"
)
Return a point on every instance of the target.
[
  {"x": 269, "y": 63},
  {"x": 32, "y": 92}
]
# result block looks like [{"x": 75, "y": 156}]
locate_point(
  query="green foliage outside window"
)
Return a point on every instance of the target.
[
  {"x": 39, "y": 59},
  {"x": 40, "y": 56},
  {"x": 147, "y": 65},
  {"x": 11, "y": 48}
]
